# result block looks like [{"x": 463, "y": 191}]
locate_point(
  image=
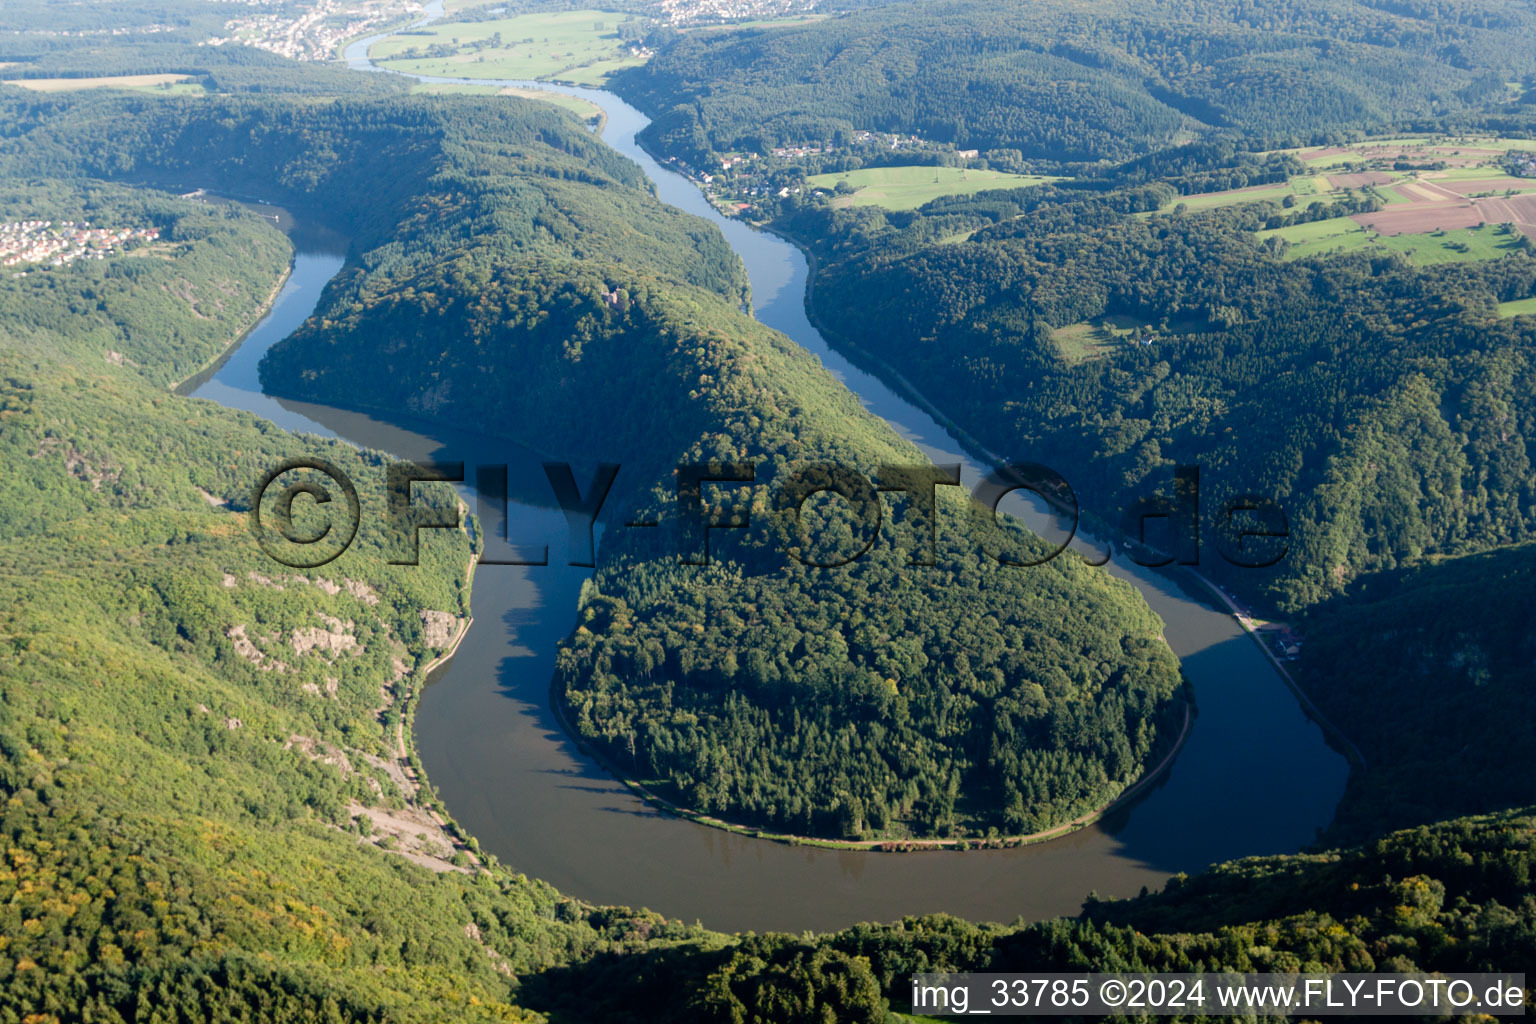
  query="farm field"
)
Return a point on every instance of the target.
[
  {"x": 1343, "y": 234},
  {"x": 1464, "y": 151},
  {"x": 907, "y": 188},
  {"x": 1306, "y": 189},
  {"x": 583, "y": 109},
  {"x": 1457, "y": 213},
  {"x": 169, "y": 85},
  {"x": 1452, "y": 184},
  {"x": 1524, "y": 307},
  {"x": 1475, "y": 181},
  {"x": 569, "y": 46},
  {"x": 1301, "y": 188}
]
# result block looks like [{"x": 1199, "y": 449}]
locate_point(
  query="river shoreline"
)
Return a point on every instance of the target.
[
  {"x": 894, "y": 845},
  {"x": 1352, "y": 752},
  {"x": 195, "y": 379}
]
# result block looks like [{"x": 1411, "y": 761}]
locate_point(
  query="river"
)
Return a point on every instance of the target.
[{"x": 1255, "y": 775}]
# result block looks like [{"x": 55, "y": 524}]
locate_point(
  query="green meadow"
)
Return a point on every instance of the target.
[
  {"x": 569, "y": 46},
  {"x": 1424, "y": 146},
  {"x": 1341, "y": 234},
  {"x": 1089, "y": 339},
  {"x": 908, "y": 187}
]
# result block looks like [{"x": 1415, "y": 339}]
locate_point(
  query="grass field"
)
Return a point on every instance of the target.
[
  {"x": 1307, "y": 189},
  {"x": 1273, "y": 193},
  {"x": 1341, "y": 234},
  {"x": 1423, "y": 146},
  {"x": 1090, "y": 339},
  {"x": 568, "y": 46},
  {"x": 1452, "y": 174},
  {"x": 1312, "y": 188},
  {"x": 1486, "y": 180},
  {"x": 583, "y": 109},
  {"x": 907, "y": 188},
  {"x": 165, "y": 85},
  {"x": 1524, "y": 307}
]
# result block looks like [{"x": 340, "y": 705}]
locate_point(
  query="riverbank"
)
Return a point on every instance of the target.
[
  {"x": 423, "y": 798},
  {"x": 196, "y": 378},
  {"x": 1350, "y": 751},
  {"x": 896, "y": 845}
]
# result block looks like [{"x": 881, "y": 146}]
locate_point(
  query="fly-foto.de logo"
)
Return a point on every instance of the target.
[{"x": 305, "y": 512}]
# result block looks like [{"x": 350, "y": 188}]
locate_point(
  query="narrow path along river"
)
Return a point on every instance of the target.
[{"x": 1256, "y": 776}]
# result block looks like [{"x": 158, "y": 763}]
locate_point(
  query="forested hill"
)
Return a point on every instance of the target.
[
  {"x": 181, "y": 808},
  {"x": 859, "y": 702},
  {"x": 1457, "y": 896},
  {"x": 192, "y": 736},
  {"x": 1382, "y": 405},
  {"x": 873, "y": 700},
  {"x": 181, "y": 815},
  {"x": 410, "y": 179},
  {"x": 1065, "y": 81},
  {"x": 203, "y": 806}
]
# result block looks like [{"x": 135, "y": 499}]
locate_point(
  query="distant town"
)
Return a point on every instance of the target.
[
  {"x": 320, "y": 31},
  {"x": 32, "y": 242},
  {"x": 702, "y": 12},
  {"x": 316, "y": 34}
]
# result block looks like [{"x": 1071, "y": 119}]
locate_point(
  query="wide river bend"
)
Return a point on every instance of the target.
[{"x": 1255, "y": 776}]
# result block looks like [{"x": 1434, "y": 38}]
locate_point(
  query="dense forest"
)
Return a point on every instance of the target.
[
  {"x": 757, "y": 688},
  {"x": 1429, "y": 670},
  {"x": 1382, "y": 406},
  {"x": 1060, "y": 83},
  {"x": 208, "y": 259},
  {"x": 410, "y": 180},
  {"x": 1385, "y": 407},
  {"x": 874, "y": 699},
  {"x": 184, "y": 769}
]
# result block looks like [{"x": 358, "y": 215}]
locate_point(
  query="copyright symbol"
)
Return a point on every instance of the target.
[
  {"x": 1112, "y": 992},
  {"x": 316, "y": 535}
]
